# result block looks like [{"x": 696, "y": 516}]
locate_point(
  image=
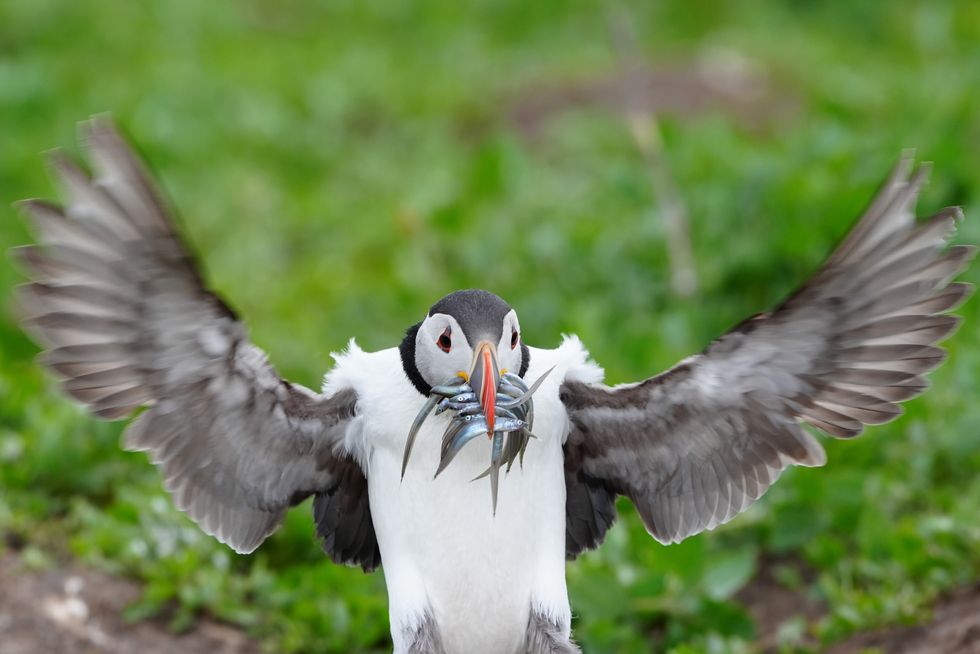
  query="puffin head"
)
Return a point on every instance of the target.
[
  {"x": 467, "y": 356},
  {"x": 472, "y": 335}
]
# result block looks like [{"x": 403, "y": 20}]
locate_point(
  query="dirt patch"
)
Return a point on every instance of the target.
[
  {"x": 77, "y": 610},
  {"x": 954, "y": 629},
  {"x": 722, "y": 81},
  {"x": 773, "y": 605}
]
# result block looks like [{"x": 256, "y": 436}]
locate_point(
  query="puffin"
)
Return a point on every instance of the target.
[{"x": 467, "y": 462}]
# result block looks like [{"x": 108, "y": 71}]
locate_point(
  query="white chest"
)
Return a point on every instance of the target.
[{"x": 443, "y": 550}]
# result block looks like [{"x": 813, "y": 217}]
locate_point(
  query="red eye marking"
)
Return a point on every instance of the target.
[
  {"x": 445, "y": 341},
  {"x": 513, "y": 339}
]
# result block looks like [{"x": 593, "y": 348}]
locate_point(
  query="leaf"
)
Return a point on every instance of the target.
[{"x": 726, "y": 573}]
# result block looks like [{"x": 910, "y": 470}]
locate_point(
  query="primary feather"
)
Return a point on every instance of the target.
[
  {"x": 696, "y": 445},
  {"x": 127, "y": 322}
]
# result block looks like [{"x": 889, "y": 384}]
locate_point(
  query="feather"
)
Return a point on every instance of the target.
[
  {"x": 696, "y": 445},
  {"x": 128, "y": 323}
]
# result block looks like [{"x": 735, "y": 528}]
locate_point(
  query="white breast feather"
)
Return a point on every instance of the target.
[{"x": 443, "y": 551}]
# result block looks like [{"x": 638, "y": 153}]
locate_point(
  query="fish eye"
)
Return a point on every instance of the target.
[
  {"x": 513, "y": 339},
  {"x": 445, "y": 341}
]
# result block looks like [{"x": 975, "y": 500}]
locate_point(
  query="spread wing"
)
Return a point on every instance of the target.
[
  {"x": 696, "y": 445},
  {"x": 127, "y": 322}
]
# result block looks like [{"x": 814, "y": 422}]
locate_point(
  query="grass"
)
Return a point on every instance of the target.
[{"x": 340, "y": 166}]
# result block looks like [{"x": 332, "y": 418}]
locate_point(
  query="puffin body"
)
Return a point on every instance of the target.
[
  {"x": 400, "y": 446},
  {"x": 445, "y": 553}
]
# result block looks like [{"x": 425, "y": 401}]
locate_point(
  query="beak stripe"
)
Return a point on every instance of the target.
[{"x": 488, "y": 394}]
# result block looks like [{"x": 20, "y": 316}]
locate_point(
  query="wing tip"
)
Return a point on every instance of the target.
[
  {"x": 59, "y": 160},
  {"x": 957, "y": 213},
  {"x": 816, "y": 455},
  {"x": 100, "y": 132},
  {"x": 66, "y": 171},
  {"x": 906, "y": 172},
  {"x": 27, "y": 259},
  {"x": 27, "y": 205}
]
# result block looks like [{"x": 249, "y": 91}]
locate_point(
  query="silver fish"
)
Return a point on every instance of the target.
[
  {"x": 514, "y": 407},
  {"x": 518, "y": 381},
  {"x": 416, "y": 425},
  {"x": 527, "y": 394},
  {"x": 510, "y": 424},
  {"x": 456, "y": 402},
  {"x": 456, "y": 437},
  {"x": 449, "y": 389}
]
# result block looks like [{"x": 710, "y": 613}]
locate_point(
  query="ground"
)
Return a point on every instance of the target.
[
  {"x": 954, "y": 627},
  {"x": 73, "y": 609}
]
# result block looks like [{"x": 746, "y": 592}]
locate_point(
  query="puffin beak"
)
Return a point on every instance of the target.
[{"x": 484, "y": 378}]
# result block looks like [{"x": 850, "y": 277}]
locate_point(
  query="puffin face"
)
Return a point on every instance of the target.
[
  {"x": 473, "y": 335},
  {"x": 467, "y": 357}
]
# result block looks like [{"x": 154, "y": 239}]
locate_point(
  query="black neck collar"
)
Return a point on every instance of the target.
[{"x": 407, "y": 350}]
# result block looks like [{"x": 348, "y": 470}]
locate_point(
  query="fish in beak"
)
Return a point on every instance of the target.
[
  {"x": 474, "y": 399},
  {"x": 484, "y": 380}
]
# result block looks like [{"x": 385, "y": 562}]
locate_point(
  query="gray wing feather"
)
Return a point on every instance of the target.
[
  {"x": 127, "y": 322},
  {"x": 696, "y": 445}
]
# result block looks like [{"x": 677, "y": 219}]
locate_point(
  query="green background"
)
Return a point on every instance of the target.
[{"x": 339, "y": 166}]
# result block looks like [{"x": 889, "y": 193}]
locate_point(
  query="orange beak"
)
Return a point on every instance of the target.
[{"x": 484, "y": 378}]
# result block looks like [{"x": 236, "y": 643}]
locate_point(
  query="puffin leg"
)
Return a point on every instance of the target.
[
  {"x": 423, "y": 638},
  {"x": 545, "y": 635}
]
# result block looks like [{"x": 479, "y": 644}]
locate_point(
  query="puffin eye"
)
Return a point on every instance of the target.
[
  {"x": 445, "y": 341},
  {"x": 513, "y": 339}
]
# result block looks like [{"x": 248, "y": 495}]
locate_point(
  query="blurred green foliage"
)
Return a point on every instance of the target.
[{"x": 341, "y": 165}]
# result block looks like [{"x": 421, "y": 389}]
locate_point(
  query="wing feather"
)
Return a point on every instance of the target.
[
  {"x": 696, "y": 445},
  {"x": 117, "y": 301}
]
